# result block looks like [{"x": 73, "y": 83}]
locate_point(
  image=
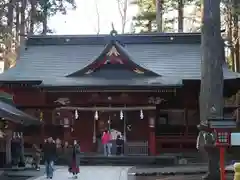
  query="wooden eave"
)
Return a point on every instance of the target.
[
  {"x": 13, "y": 114},
  {"x": 20, "y": 82},
  {"x": 163, "y": 88}
]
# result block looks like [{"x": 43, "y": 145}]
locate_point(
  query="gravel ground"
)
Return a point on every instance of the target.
[{"x": 178, "y": 177}]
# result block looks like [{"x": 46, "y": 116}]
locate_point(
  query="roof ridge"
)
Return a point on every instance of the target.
[
  {"x": 118, "y": 35},
  {"x": 153, "y": 38}
]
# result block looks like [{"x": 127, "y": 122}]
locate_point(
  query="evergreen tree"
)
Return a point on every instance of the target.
[
  {"x": 145, "y": 20},
  {"x": 23, "y": 18}
]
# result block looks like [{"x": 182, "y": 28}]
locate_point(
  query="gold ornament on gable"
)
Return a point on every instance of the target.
[
  {"x": 89, "y": 71},
  {"x": 138, "y": 71},
  {"x": 113, "y": 51}
]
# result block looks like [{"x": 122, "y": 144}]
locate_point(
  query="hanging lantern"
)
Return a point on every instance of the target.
[
  {"x": 96, "y": 115},
  {"x": 121, "y": 115},
  {"x": 141, "y": 114},
  {"x": 76, "y": 114}
]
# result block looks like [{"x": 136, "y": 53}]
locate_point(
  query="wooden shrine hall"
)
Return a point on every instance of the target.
[{"x": 144, "y": 86}]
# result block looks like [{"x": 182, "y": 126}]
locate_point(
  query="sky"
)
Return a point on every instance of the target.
[{"x": 83, "y": 20}]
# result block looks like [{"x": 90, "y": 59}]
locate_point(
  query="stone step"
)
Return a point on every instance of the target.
[{"x": 124, "y": 160}]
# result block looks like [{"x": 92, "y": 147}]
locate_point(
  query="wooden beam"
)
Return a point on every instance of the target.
[
  {"x": 163, "y": 90},
  {"x": 108, "y": 108}
]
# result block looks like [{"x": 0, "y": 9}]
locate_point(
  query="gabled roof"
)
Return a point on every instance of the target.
[
  {"x": 113, "y": 62},
  {"x": 54, "y": 60}
]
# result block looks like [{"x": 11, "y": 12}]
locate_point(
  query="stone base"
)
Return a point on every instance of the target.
[{"x": 209, "y": 177}]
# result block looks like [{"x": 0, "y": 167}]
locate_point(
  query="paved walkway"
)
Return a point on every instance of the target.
[
  {"x": 92, "y": 173},
  {"x": 180, "y": 177},
  {"x": 193, "y": 169}
]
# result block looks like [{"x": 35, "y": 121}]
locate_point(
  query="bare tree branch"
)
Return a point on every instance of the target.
[
  {"x": 98, "y": 17},
  {"x": 122, "y": 8}
]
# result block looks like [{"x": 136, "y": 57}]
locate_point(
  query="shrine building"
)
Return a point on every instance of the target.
[{"x": 145, "y": 86}]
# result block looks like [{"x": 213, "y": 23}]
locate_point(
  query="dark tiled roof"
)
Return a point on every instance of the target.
[
  {"x": 13, "y": 114},
  {"x": 166, "y": 56},
  {"x": 163, "y": 38}
]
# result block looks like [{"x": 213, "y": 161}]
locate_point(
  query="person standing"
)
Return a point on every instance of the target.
[
  {"x": 106, "y": 138},
  {"x": 119, "y": 145},
  {"x": 75, "y": 159},
  {"x": 50, "y": 153},
  {"x": 16, "y": 151}
]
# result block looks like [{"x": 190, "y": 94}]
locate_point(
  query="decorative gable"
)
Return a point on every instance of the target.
[{"x": 113, "y": 57}]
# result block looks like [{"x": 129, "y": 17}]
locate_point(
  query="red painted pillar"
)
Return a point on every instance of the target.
[
  {"x": 222, "y": 166},
  {"x": 42, "y": 114},
  {"x": 152, "y": 136}
]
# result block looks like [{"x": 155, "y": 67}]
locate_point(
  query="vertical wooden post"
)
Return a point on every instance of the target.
[
  {"x": 42, "y": 130},
  {"x": 222, "y": 166},
  {"x": 152, "y": 136},
  {"x": 8, "y": 133},
  {"x": 186, "y": 121},
  {"x": 237, "y": 110},
  {"x": 44, "y": 118}
]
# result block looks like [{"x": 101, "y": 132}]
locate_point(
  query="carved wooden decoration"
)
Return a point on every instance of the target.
[
  {"x": 138, "y": 71},
  {"x": 113, "y": 51}
]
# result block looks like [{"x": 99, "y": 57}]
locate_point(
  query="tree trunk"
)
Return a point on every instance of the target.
[
  {"x": 23, "y": 21},
  {"x": 32, "y": 16},
  {"x": 45, "y": 22},
  {"x": 149, "y": 26},
  {"x": 10, "y": 15},
  {"x": 159, "y": 15},
  {"x": 235, "y": 35},
  {"x": 17, "y": 27},
  {"x": 230, "y": 37},
  {"x": 180, "y": 15},
  {"x": 211, "y": 93},
  {"x": 9, "y": 40}
]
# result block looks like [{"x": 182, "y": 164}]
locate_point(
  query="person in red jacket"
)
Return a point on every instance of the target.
[{"x": 106, "y": 138}]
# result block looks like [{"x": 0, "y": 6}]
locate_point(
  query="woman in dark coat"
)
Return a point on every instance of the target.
[{"x": 75, "y": 160}]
